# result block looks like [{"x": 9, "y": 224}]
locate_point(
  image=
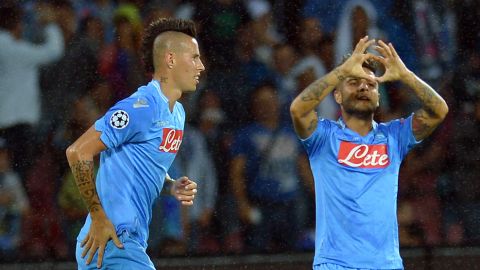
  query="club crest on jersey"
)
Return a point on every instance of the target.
[
  {"x": 119, "y": 119},
  {"x": 363, "y": 155},
  {"x": 172, "y": 138}
]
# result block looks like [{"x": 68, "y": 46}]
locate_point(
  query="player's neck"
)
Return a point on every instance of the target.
[
  {"x": 361, "y": 126},
  {"x": 168, "y": 89}
]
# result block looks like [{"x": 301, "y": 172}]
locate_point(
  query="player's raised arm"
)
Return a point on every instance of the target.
[
  {"x": 302, "y": 109},
  {"x": 434, "y": 108},
  {"x": 80, "y": 158}
]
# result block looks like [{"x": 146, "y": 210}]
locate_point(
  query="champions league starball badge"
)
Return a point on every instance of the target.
[{"x": 119, "y": 119}]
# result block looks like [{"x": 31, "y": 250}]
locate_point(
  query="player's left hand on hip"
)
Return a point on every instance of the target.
[{"x": 184, "y": 190}]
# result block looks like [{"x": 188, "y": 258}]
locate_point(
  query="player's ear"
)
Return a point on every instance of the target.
[
  {"x": 170, "y": 59},
  {"x": 338, "y": 96}
]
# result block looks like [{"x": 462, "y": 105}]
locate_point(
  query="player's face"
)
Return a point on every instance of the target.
[
  {"x": 188, "y": 66},
  {"x": 359, "y": 96}
]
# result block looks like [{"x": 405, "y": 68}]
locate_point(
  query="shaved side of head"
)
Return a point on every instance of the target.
[
  {"x": 157, "y": 35},
  {"x": 169, "y": 41}
]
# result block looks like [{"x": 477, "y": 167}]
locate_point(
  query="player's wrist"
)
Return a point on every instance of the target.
[
  {"x": 168, "y": 186},
  {"x": 406, "y": 75},
  {"x": 98, "y": 214},
  {"x": 340, "y": 72}
]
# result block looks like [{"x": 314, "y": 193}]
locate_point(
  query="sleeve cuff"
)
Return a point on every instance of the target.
[{"x": 103, "y": 137}]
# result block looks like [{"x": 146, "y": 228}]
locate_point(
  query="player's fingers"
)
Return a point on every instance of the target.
[
  {"x": 192, "y": 185},
  {"x": 381, "y": 50},
  {"x": 377, "y": 58},
  {"x": 187, "y": 203},
  {"x": 87, "y": 247},
  {"x": 185, "y": 198},
  {"x": 101, "y": 251},
  {"x": 117, "y": 241},
  {"x": 367, "y": 44},
  {"x": 187, "y": 192},
  {"x": 183, "y": 180},
  {"x": 85, "y": 240},
  {"x": 369, "y": 56},
  {"x": 359, "y": 46},
  {"x": 383, "y": 45},
  {"x": 392, "y": 49},
  {"x": 92, "y": 252}
]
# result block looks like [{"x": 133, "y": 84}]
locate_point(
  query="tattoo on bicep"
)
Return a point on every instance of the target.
[
  {"x": 420, "y": 126},
  {"x": 313, "y": 124},
  {"x": 83, "y": 174},
  {"x": 314, "y": 91}
]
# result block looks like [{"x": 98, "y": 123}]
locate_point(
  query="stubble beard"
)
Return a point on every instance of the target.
[{"x": 364, "y": 114}]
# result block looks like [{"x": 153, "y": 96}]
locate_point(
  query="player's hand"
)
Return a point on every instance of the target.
[
  {"x": 184, "y": 190},
  {"x": 395, "y": 69},
  {"x": 352, "y": 67},
  {"x": 101, "y": 231}
]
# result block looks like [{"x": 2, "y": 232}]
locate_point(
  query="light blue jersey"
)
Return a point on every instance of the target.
[
  {"x": 142, "y": 138},
  {"x": 356, "y": 184}
]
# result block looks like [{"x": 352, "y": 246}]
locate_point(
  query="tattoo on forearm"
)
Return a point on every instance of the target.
[
  {"x": 314, "y": 91},
  {"x": 339, "y": 75},
  {"x": 83, "y": 174},
  {"x": 429, "y": 98}
]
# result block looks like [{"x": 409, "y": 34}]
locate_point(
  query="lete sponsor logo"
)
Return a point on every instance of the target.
[
  {"x": 171, "y": 140},
  {"x": 363, "y": 155}
]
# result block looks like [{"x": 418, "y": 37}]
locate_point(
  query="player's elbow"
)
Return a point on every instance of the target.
[
  {"x": 295, "y": 112},
  {"x": 440, "y": 112},
  {"x": 443, "y": 111},
  {"x": 72, "y": 152}
]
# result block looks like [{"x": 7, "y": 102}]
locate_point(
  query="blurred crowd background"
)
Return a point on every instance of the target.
[{"x": 64, "y": 63}]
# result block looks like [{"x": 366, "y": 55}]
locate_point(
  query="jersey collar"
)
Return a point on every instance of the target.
[{"x": 342, "y": 125}]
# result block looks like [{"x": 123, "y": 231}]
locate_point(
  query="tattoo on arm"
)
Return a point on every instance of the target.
[
  {"x": 421, "y": 127},
  {"x": 313, "y": 124},
  {"x": 314, "y": 91},
  {"x": 83, "y": 174},
  {"x": 429, "y": 98},
  {"x": 339, "y": 75},
  {"x": 433, "y": 108}
]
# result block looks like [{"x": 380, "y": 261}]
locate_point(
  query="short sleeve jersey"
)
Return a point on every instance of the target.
[
  {"x": 142, "y": 137},
  {"x": 356, "y": 184}
]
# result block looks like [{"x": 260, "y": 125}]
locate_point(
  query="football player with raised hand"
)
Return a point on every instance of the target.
[{"x": 355, "y": 160}]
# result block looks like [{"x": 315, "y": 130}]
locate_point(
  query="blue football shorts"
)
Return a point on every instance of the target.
[
  {"x": 331, "y": 266},
  {"x": 132, "y": 256}
]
